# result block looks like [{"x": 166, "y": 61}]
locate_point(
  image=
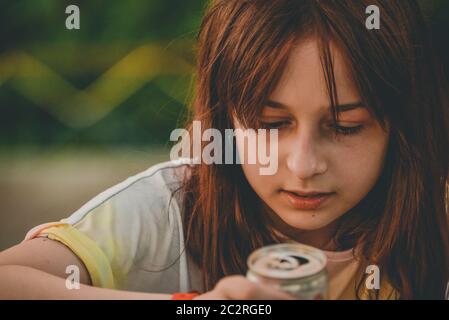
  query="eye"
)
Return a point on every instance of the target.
[
  {"x": 274, "y": 125},
  {"x": 348, "y": 130}
]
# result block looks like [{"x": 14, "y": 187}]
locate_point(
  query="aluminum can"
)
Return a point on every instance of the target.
[{"x": 297, "y": 269}]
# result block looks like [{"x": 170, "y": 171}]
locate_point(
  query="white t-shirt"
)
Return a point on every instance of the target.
[{"x": 130, "y": 236}]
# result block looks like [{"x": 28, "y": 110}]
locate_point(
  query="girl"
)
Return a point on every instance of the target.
[{"x": 362, "y": 171}]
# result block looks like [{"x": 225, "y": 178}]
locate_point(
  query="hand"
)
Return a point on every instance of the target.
[{"x": 238, "y": 287}]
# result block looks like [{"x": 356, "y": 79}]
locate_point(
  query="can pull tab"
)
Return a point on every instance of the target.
[{"x": 285, "y": 262}]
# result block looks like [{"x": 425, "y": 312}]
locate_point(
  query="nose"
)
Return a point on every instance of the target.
[{"x": 305, "y": 158}]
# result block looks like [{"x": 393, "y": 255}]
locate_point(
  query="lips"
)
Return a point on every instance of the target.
[
  {"x": 311, "y": 200},
  {"x": 308, "y": 194}
]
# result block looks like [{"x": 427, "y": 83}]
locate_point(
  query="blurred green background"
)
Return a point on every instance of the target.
[{"x": 81, "y": 110}]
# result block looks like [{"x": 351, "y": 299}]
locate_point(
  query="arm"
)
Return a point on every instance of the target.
[{"x": 35, "y": 269}]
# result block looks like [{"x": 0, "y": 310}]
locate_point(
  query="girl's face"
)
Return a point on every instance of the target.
[{"x": 311, "y": 158}]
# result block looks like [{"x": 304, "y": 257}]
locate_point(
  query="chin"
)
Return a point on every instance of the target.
[{"x": 307, "y": 220}]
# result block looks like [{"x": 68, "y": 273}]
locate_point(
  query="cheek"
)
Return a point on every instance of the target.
[{"x": 358, "y": 167}]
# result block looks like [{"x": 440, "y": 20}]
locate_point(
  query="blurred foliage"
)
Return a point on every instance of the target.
[{"x": 124, "y": 78}]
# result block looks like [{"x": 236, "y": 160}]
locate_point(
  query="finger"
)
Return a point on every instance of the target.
[
  {"x": 240, "y": 288},
  {"x": 211, "y": 295},
  {"x": 267, "y": 292}
]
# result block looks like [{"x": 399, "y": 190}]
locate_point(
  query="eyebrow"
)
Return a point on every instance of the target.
[{"x": 340, "y": 107}]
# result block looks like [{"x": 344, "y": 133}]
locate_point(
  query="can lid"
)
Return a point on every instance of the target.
[{"x": 287, "y": 261}]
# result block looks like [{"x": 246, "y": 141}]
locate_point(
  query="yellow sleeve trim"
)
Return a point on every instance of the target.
[{"x": 87, "y": 250}]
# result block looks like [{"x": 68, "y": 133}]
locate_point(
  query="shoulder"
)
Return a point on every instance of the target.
[
  {"x": 136, "y": 222},
  {"x": 142, "y": 194}
]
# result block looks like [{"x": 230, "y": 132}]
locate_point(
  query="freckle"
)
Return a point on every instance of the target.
[{"x": 313, "y": 215}]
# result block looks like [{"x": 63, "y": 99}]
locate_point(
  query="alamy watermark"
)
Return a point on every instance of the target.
[
  {"x": 373, "y": 279},
  {"x": 373, "y": 20},
  {"x": 73, "y": 280},
  {"x": 261, "y": 146},
  {"x": 73, "y": 19}
]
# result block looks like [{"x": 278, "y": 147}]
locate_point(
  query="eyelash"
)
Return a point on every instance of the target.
[
  {"x": 273, "y": 125},
  {"x": 348, "y": 130},
  {"x": 338, "y": 129}
]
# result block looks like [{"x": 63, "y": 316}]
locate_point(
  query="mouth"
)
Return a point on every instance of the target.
[{"x": 311, "y": 200}]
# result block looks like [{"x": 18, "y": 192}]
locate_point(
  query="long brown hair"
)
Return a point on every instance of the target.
[{"x": 401, "y": 226}]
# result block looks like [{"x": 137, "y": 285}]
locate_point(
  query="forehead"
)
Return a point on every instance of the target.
[{"x": 303, "y": 84}]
